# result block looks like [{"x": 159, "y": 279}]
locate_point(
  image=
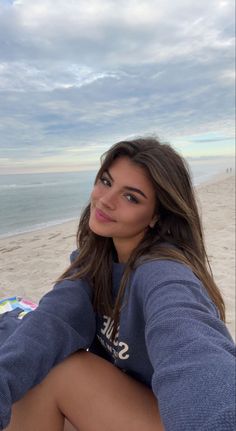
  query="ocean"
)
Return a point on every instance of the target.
[
  {"x": 33, "y": 201},
  {"x": 30, "y": 202}
]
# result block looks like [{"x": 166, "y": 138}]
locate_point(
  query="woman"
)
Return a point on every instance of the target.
[{"x": 140, "y": 297}]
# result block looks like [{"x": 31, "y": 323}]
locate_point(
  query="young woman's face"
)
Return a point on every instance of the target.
[{"x": 123, "y": 205}]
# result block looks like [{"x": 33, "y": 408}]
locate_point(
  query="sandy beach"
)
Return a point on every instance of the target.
[{"x": 31, "y": 262}]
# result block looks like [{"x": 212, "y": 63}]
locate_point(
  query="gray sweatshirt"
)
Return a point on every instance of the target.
[{"x": 170, "y": 337}]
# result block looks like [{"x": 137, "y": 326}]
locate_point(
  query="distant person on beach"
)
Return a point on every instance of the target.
[{"x": 132, "y": 336}]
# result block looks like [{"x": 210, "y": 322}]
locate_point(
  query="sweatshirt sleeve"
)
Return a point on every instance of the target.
[
  {"x": 192, "y": 353},
  {"x": 63, "y": 323}
]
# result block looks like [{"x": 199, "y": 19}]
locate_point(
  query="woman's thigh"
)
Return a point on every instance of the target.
[{"x": 95, "y": 395}]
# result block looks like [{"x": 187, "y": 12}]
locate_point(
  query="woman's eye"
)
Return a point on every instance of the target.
[
  {"x": 105, "y": 181},
  {"x": 132, "y": 199}
]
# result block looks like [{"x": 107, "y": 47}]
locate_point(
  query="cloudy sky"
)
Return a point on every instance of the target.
[{"x": 78, "y": 75}]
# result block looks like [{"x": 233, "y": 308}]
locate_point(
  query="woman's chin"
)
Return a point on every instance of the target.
[{"x": 98, "y": 230}]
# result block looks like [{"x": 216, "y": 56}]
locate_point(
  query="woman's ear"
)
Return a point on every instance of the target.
[{"x": 153, "y": 222}]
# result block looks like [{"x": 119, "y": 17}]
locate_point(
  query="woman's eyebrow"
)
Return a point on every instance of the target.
[{"x": 129, "y": 188}]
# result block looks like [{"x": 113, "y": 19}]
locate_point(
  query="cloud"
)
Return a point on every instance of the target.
[
  {"x": 76, "y": 74},
  {"x": 19, "y": 77},
  {"x": 98, "y": 34}
]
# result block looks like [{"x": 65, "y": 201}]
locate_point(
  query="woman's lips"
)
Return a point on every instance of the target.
[{"x": 101, "y": 216}]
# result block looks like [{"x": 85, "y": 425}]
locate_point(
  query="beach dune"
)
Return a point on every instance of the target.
[{"x": 31, "y": 262}]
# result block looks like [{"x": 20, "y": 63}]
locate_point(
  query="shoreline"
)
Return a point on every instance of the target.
[
  {"x": 49, "y": 225},
  {"x": 32, "y": 261}
]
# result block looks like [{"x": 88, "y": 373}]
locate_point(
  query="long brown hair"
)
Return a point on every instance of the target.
[{"x": 177, "y": 235}]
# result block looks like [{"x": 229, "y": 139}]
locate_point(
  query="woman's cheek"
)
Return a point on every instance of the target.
[
  {"x": 95, "y": 193},
  {"x": 142, "y": 219}
]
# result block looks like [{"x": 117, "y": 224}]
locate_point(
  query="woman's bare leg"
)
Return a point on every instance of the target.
[{"x": 92, "y": 394}]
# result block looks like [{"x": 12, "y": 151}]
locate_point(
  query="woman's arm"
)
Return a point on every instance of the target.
[
  {"x": 191, "y": 351},
  {"x": 63, "y": 323}
]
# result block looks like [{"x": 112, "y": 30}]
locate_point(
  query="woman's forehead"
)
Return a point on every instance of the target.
[{"x": 126, "y": 171}]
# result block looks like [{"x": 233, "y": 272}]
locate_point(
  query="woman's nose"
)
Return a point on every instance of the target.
[{"x": 108, "y": 200}]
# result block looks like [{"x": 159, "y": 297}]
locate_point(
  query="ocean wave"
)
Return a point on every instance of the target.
[
  {"x": 37, "y": 185},
  {"x": 37, "y": 227}
]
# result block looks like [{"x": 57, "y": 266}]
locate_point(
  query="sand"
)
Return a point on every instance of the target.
[{"x": 31, "y": 262}]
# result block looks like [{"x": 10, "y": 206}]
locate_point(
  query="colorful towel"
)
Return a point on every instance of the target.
[{"x": 9, "y": 304}]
